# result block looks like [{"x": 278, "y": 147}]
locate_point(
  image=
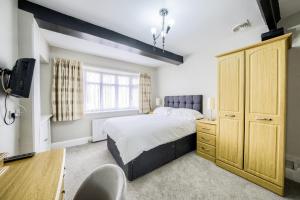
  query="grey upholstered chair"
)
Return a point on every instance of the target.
[{"x": 108, "y": 182}]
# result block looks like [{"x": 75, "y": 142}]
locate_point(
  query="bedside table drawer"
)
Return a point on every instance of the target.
[
  {"x": 206, "y": 128},
  {"x": 206, "y": 138},
  {"x": 207, "y": 149}
]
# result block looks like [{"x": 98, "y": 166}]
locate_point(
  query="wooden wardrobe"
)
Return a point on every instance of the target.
[{"x": 252, "y": 112}]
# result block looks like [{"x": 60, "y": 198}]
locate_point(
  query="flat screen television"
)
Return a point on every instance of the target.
[{"x": 21, "y": 77}]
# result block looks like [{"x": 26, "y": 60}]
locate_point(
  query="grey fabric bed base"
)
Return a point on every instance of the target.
[{"x": 154, "y": 158}]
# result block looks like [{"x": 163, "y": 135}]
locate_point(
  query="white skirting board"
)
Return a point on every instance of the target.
[
  {"x": 71, "y": 143},
  {"x": 293, "y": 174}
]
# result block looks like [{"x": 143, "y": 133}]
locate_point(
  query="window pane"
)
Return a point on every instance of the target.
[
  {"x": 123, "y": 80},
  {"x": 108, "y": 97},
  {"x": 135, "y": 81},
  {"x": 135, "y": 97},
  {"x": 123, "y": 97},
  {"x": 93, "y": 77},
  {"x": 92, "y": 97},
  {"x": 101, "y": 88},
  {"x": 108, "y": 79}
]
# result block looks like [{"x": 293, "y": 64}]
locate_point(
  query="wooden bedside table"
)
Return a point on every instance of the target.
[{"x": 206, "y": 139}]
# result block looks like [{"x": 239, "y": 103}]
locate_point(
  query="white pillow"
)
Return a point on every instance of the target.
[
  {"x": 162, "y": 110},
  {"x": 186, "y": 113}
]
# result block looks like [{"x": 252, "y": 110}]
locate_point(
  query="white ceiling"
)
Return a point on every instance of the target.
[
  {"x": 197, "y": 22},
  {"x": 289, "y": 7}
]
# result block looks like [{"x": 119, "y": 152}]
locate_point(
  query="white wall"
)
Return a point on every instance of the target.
[
  {"x": 46, "y": 78},
  {"x": 62, "y": 131},
  {"x": 9, "y": 135},
  {"x": 198, "y": 73},
  {"x": 293, "y": 108},
  {"x": 44, "y": 49},
  {"x": 35, "y": 91},
  {"x": 29, "y": 48}
]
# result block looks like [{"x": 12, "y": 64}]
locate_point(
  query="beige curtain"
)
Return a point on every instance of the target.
[
  {"x": 145, "y": 93},
  {"x": 67, "y": 97}
]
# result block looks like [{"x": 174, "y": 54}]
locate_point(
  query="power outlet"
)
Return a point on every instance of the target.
[{"x": 13, "y": 115}]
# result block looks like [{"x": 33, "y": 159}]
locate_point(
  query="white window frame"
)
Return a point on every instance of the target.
[{"x": 115, "y": 73}]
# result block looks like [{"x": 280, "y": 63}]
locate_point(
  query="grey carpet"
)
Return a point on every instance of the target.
[{"x": 189, "y": 177}]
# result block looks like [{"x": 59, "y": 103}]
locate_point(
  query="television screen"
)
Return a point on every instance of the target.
[{"x": 21, "y": 76}]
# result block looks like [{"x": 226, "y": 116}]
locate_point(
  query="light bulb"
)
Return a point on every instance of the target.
[
  {"x": 153, "y": 31},
  {"x": 168, "y": 29}
]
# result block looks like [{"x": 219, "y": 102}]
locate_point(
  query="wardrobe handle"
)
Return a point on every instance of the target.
[
  {"x": 228, "y": 115},
  {"x": 263, "y": 119}
]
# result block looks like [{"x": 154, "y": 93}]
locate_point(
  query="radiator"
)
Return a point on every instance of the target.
[
  {"x": 97, "y": 124},
  {"x": 97, "y": 130}
]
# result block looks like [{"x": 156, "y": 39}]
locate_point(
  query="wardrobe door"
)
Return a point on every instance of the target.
[
  {"x": 230, "y": 134},
  {"x": 265, "y": 111}
]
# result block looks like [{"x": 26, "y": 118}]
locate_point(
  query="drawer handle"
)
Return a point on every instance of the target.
[
  {"x": 205, "y": 128},
  {"x": 63, "y": 191},
  {"x": 229, "y": 115},
  {"x": 204, "y": 149},
  {"x": 263, "y": 119},
  {"x": 204, "y": 139}
]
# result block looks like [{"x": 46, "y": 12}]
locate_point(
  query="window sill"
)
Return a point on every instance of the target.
[{"x": 111, "y": 111}]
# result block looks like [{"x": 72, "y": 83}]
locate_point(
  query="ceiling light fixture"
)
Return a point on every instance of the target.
[{"x": 164, "y": 29}]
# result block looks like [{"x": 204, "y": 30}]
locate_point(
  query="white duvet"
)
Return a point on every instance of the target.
[{"x": 135, "y": 134}]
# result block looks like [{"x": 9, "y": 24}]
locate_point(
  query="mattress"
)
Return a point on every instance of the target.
[{"x": 135, "y": 134}]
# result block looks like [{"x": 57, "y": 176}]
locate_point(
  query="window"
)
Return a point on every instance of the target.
[{"x": 110, "y": 90}]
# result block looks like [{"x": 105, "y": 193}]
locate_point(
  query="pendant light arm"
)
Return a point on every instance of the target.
[{"x": 164, "y": 30}]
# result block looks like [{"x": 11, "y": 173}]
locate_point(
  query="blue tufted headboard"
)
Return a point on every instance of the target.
[{"x": 188, "y": 101}]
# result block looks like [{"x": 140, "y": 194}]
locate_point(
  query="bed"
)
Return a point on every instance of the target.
[{"x": 153, "y": 158}]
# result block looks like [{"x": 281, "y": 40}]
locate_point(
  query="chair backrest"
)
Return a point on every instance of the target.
[{"x": 107, "y": 182}]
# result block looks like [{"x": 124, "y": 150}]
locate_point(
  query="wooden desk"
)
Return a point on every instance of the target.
[{"x": 36, "y": 178}]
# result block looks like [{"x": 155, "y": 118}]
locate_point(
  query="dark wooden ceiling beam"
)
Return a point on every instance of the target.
[{"x": 61, "y": 23}]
